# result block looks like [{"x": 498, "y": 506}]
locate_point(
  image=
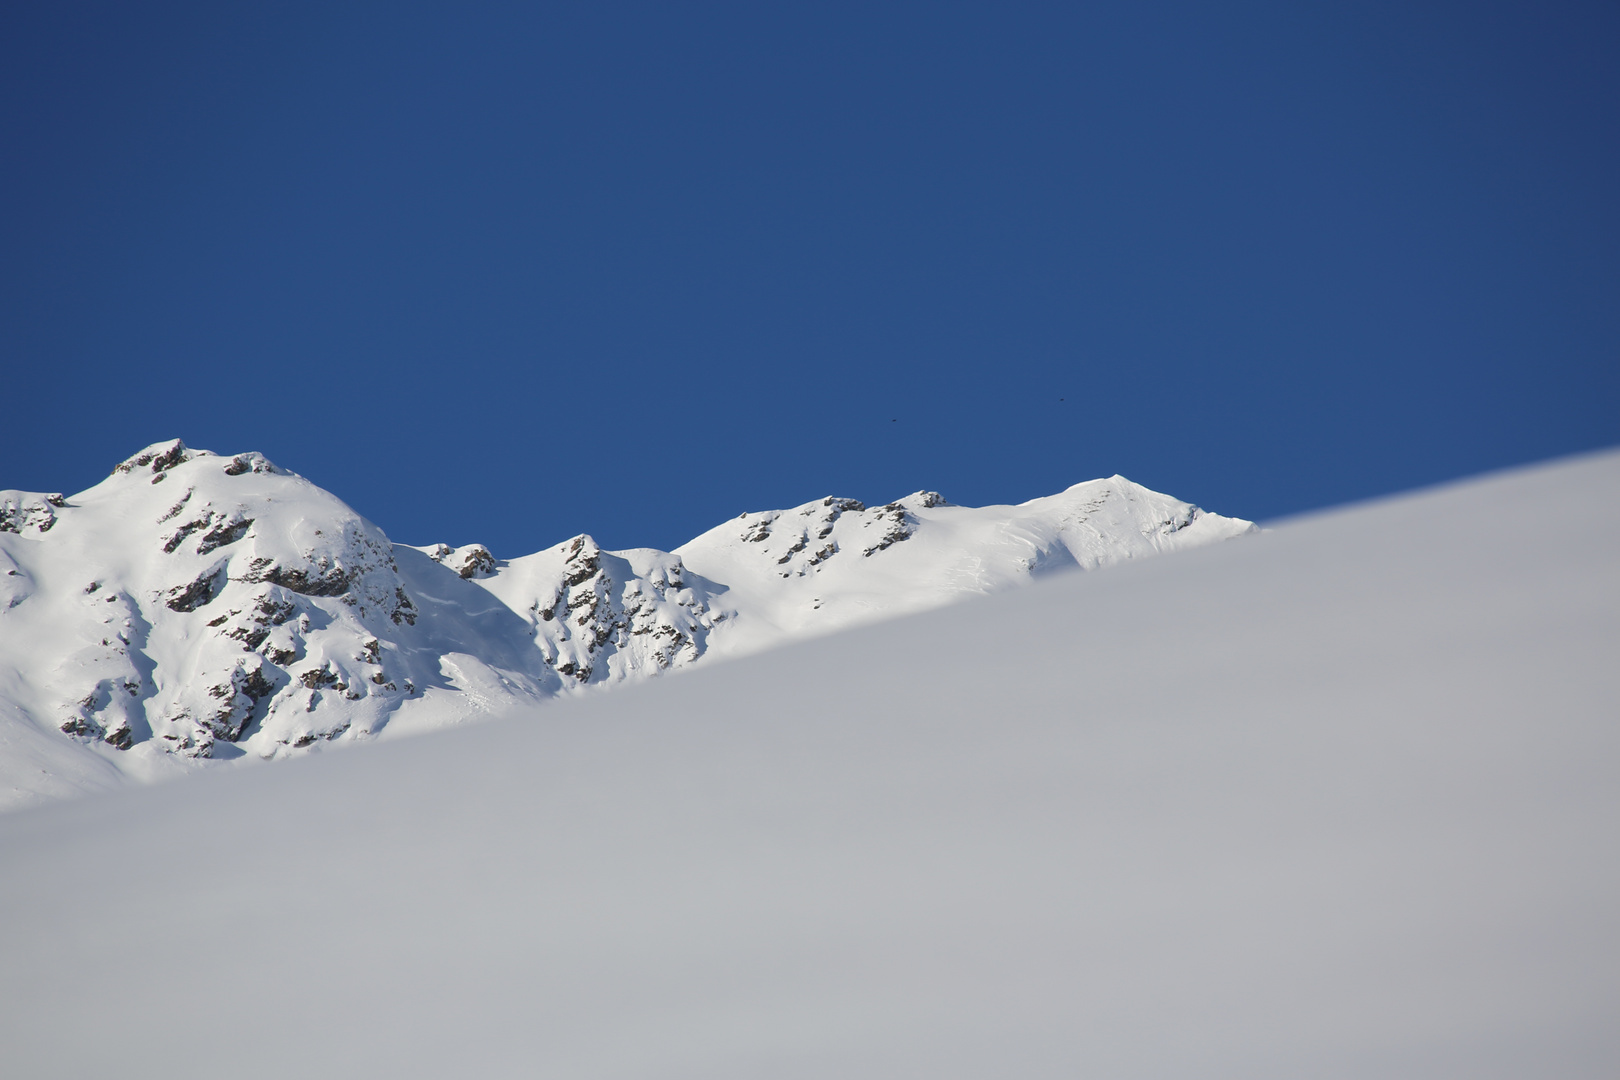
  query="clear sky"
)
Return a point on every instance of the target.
[{"x": 509, "y": 272}]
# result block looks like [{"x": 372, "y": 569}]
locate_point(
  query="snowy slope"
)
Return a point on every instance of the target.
[
  {"x": 194, "y": 608},
  {"x": 1338, "y": 801},
  {"x": 834, "y": 562},
  {"x": 765, "y": 577}
]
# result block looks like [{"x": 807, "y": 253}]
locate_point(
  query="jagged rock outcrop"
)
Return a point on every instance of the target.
[
  {"x": 28, "y": 512},
  {"x": 471, "y": 561},
  {"x": 600, "y": 617}
]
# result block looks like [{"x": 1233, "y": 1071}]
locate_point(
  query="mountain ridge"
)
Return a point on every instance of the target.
[{"x": 196, "y": 607}]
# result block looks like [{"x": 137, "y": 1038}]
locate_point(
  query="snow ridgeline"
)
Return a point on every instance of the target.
[{"x": 196, "y": 607}]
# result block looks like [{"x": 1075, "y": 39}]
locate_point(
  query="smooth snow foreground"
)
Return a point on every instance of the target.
[{"x": 1337, "y": 801}]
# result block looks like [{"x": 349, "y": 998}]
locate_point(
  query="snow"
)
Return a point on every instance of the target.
[
  {"x": 194, "y": 610},
  {"x": 1336, "y": 801},
  {"x": 835, "y": 563}
]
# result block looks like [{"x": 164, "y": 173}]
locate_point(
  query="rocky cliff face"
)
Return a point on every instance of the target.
[
  {"x": 600, "y": 617},
  {"x": 194, "y": 607}
]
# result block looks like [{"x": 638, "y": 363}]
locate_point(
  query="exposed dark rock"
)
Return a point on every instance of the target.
[
  {"x": 252, "y": 462},
  {"x": 275, "y": 609},
  {"x": 472, "y": 561},
  {"x": 239, "y": 697},
  {"x": 227, "y": 532},
  {"x": 18, "y": 513},
  {"x": 276, "y": 655},
  {"x": 222, "y": 529},
  {"x": 178, "y": 537},
  {"x": 316, "y": 678},
  {"x": 900, "y": 527},
  {"x": 160, "y": 459},
  {"x": 268, "y": 610},
  {"x": 584, "y": 560},
  {"x": 476, "y": 561},
  {"x": 404, "y": 611},
  {"x": 798, "y": 546},
  {"x": 169, "y": 458},
  {"x": 582, "y": 672},
  {"x": 327, "y": 580},
  {"x": 174, "y": 510},
  {"x": 200, "y": 592},
  {"x": 78, "y": 725},
  {"x": 257, "y": 686}
]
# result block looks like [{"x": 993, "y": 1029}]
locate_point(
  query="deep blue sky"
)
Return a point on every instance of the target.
[{"x": 511, "y": 272}]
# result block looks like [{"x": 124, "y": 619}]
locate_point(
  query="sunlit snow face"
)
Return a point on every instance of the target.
[{"x": 194, "y": 607}]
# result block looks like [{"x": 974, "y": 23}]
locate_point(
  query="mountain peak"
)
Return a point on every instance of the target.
[
  {"x": 239, "y": 610},
  {"x": 159, "y": 457}
]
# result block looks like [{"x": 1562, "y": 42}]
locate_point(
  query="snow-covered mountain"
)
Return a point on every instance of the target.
[
  {"x": 1337, "y": 801},
  {"x": 195, "y": 607}
]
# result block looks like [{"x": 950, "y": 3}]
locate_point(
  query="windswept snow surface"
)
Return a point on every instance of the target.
[
  {"x": 193, "y": 608},
  {"x": 1337, "y": 801}
]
